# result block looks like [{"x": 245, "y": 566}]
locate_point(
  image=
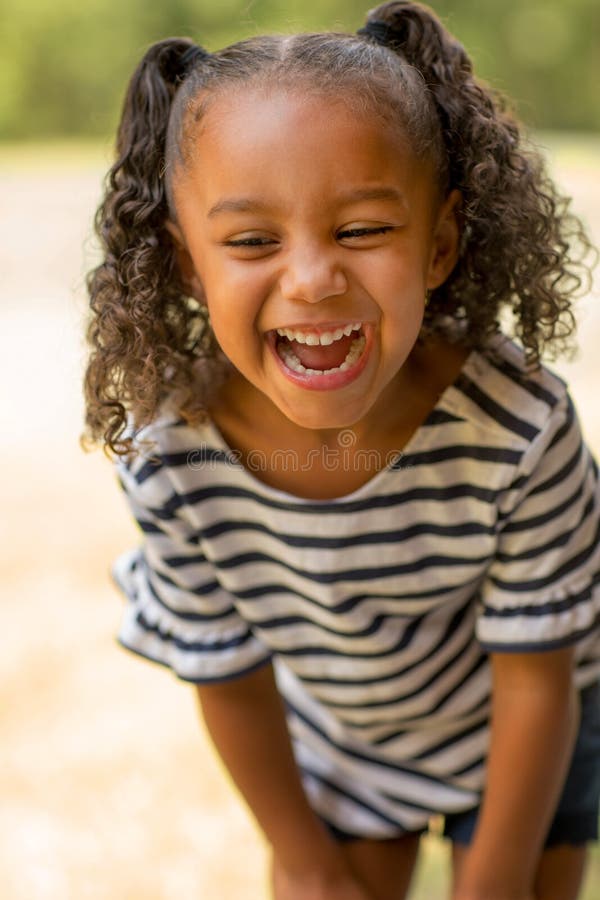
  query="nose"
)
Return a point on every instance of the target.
[{"x": 312, "y": 273}]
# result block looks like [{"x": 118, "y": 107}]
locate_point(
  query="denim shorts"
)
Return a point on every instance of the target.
[{"x": 576, "y": 817}]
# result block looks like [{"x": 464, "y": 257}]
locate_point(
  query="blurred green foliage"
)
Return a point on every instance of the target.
[{"x": 65, "y": 63}]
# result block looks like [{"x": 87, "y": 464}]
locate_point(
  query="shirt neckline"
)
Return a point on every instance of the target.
[{"x": 445, "y": 400}]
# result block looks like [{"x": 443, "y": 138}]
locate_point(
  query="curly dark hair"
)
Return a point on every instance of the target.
[{"x": 521, "y": 249}]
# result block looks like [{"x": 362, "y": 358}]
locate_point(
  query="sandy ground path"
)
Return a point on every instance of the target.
[{"x": 109, "y": 787}]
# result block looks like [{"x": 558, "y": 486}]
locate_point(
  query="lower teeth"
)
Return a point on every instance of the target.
[{"x": 292, "y": 362}]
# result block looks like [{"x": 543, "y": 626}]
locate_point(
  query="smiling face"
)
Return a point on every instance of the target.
[{"x": 312, "y": 233}]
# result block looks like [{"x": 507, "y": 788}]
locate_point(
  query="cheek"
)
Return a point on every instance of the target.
[
  {"x": 224, "y": 292},
  {"x": 401, "y": 270},
  {"x": 223, "y": 277},
  {"x": 233, "y": 314},
  {"x": 402, "y": 315},
  {"x": 402, "y": 296}
]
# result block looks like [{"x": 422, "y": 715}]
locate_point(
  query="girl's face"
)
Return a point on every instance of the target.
[{"x": 312, "y": 233}]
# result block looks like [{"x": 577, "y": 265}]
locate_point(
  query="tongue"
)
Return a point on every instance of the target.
[{"x": 322, "y": 357}]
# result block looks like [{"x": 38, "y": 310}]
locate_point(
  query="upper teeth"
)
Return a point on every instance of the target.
[{"x": 312, "y": 339}]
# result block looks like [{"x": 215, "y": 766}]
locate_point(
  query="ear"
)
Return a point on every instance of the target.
[
  {"x": 189, "y": 278},
  {"x": 446, "y": 241}
]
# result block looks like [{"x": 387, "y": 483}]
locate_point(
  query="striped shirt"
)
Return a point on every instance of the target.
[{"x": 378, "y": 609}]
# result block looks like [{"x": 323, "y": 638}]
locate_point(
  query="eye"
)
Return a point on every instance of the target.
[
  {"x": 249, "y": 242},
  {"x": 363, "y": 232}
]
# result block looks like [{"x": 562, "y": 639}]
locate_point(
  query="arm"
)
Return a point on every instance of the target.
[
  {"x": 246, "y": 721},
  {"x": 534, "y": 724}
]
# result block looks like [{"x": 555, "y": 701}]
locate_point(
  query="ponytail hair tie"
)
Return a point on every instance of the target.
[
  {"x": 190, "y": 58},
  {"x": 381, "y": 32}
]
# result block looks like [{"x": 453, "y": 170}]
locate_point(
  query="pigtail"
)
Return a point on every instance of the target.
[
  {"x": 141, "y": 319},
  {"x": 520, "y": 245}
]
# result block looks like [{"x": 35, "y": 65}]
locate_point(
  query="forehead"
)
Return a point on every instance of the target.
[{"x": 273, "y": 134}]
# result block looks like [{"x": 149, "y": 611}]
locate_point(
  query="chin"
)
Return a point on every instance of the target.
[{"x": 320, "y": 419}]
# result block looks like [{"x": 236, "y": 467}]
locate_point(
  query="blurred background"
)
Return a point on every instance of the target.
[{"x": 109, "y": 786}]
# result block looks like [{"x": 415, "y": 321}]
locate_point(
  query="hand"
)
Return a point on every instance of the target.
[{"x": 315, "y": 884}]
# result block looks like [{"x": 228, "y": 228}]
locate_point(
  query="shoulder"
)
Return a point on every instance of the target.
[
  {"x": 497, "y": 391},
  {"x": 164, "y": 450}
]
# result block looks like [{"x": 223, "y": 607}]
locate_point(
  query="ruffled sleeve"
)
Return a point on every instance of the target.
[
  {"x": 543, "y": 589},
  {"x": 177, "y": 612}
]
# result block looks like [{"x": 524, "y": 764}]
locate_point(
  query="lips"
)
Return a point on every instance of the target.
[{"x": 321, "y": 357}]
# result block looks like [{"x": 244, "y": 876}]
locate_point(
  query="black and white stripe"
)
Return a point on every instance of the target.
[{"x": 378, "y": 609}]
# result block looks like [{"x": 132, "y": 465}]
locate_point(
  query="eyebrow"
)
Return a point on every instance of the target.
[{"x": 250, "y": 204}]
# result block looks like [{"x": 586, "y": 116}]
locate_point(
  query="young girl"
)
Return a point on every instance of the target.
[{"x": 370, "y": 524}]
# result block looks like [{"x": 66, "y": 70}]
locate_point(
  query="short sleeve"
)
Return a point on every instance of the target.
[
  {"x": 177, "y": 612},
  {"x": 542, "y": 590}
]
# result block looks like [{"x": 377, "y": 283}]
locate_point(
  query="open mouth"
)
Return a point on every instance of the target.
[
  {"x": 324, "y": 357},
  {"x": 323, "y": 352}
]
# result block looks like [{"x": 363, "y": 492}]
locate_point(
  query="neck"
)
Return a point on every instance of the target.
[{"x": 393, "y": 410}]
